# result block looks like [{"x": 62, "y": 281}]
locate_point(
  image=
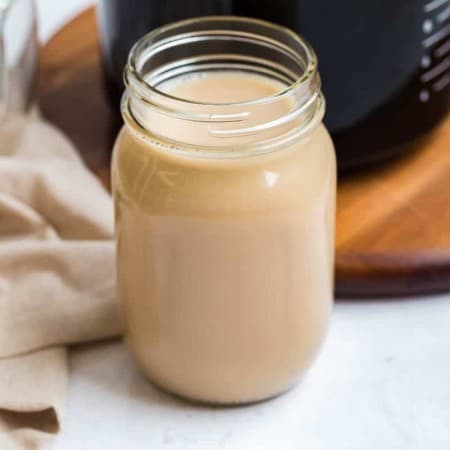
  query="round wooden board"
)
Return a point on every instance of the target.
[{"x": 393, "y": 221}]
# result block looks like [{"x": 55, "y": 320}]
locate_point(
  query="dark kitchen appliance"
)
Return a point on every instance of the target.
[{"x": 385, "y": 64}]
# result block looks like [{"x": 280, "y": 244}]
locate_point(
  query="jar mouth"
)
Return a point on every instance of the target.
[
  {"x": 160, "y": 38},
  {"x": 231, "y": 44}
]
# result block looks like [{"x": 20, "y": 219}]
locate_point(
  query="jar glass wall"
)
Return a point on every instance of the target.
[{"x": 224, "y": 186}]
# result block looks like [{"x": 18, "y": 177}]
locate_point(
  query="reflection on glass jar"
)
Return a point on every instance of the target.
[
  {"x": 18, "y": 57},
  {"x": 224, "y": 186}
]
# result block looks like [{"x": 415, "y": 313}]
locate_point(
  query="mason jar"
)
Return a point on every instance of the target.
[{"x": 224, "y": 181}]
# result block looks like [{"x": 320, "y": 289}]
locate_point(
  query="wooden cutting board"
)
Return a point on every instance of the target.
[{"x": 393, "y": 221}]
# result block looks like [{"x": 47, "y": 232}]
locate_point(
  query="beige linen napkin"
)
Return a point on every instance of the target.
[{"x": 56, "y": 278}]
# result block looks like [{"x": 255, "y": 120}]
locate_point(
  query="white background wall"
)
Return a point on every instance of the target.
[{"x": 54, "y": 13}]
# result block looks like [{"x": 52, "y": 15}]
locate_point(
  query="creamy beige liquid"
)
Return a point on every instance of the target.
[{"x": 225, "y": 266}]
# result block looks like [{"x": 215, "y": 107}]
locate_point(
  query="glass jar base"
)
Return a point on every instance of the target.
[{"x": 219, "y": 403}]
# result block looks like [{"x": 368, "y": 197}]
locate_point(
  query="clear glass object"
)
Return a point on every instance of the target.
[
  {"x": 18, "y": 58},
  {"x": 225, "y": 205}
]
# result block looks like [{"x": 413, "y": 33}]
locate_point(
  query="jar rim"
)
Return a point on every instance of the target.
[{"x": 133, "y": 75}]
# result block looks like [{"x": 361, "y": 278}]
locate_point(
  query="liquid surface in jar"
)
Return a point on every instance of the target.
[
  {"x": 221, "y": 88},
  {"x": 225, "y": 265}
]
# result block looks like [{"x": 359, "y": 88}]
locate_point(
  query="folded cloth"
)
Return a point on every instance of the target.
[{"x": 56, "y": 278}]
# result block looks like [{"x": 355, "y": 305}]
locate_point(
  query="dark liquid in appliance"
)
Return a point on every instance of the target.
[{"x": 370, "y": 59}]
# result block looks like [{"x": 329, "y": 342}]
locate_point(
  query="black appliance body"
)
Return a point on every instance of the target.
[{"x": 385, "y": 64}]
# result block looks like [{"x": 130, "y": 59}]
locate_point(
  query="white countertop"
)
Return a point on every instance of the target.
[{"x": 382, "y": 382}]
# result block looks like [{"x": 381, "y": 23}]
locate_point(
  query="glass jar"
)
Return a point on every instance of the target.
[
  {"x": 18, "y": 58},
  {"x": 224, "y": 182}
]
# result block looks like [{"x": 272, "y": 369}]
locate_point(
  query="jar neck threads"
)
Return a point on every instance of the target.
[{"x": 225, "y": 44}]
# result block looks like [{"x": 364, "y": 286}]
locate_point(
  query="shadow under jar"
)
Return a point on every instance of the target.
[{"x": 224, "y": 182}]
